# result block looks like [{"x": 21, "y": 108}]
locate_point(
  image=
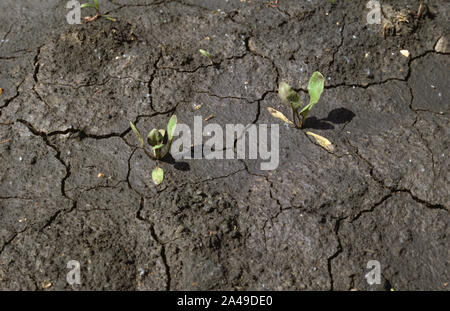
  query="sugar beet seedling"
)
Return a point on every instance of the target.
[
  {"x": 292, "y": 99},
  {"x": 160, "y": 142}
]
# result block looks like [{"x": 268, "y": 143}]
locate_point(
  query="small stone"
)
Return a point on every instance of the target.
[
  {"x": 180, "y": 229},
  {"x": 405, "y": 53},
  {"x": 443, "y": 46},
  {"x": 141, "y": 271},
  {"x": 46, "y": 285}
]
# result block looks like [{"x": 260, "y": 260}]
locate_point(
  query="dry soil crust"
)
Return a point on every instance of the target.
[{"x": 69, "y": 92}]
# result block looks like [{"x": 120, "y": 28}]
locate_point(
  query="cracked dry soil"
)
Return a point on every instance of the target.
[{"x": 73, "y": 185}]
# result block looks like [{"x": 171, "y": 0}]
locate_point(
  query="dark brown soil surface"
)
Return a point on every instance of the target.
[{"x": 69, "y": 92}]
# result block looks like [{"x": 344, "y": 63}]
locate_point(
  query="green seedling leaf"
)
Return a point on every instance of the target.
[
  {"x": 171, "y": 126},
  {"x": 305, "y": 110},
  {"x": 138, "y": 135},
  {"x": 164, "y": 137},
  {"x": 315, "y": 87},
  {"x": 204, "y": 53},
  {"x": 158, "y": 175},
  {"x": 154, "y": 137},
  {"x": 158, "y": 146},
  {"x": 112, "y": 19},
  {"x": 289, "y": 96},
  {"x": 283, "y": 91},
  {"x": 86, "y": 5},
  {"x": 96, "y": 4}
]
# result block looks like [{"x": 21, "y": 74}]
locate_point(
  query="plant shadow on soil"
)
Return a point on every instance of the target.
[
  {"x": 181, "y": 166},
  {"x": 184, "y": 166},
  {"x": 336, "y": 116}
]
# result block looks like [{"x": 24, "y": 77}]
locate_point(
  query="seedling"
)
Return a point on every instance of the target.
[
  {"x": 96, "y": 6},
  {"x": 160, "y": 142},
  {"x": 292, "y": 99},
  {"x": 299, "y": 114},
  {"x": 206, "y": 54}
]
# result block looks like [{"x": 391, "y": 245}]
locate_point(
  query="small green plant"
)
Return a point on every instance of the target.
[
  {"x": 96, "y": 6},
  {"x": 292, "y": 99},
  {"x": 206, "y": 54},
  {"x": 160, "y": 142}
]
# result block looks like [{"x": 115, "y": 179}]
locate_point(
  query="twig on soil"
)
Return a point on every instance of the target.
[
  {"x": 273, "y": 4},
  {"x": 90, "y": 19}
]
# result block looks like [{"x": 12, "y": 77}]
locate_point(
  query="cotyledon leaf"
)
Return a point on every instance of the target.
[
  {"x": 158, "y": 175},
  {"x": 204, "y": 53},
  {"x": 277, "y": 114},
  {"x": 289, "y": 96},
  {"x": 315, "y": 87},
  {"x": 138, "y": 134},
  {"x": 322, "y": 141},
  {"x": 171, "y": 126}
]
